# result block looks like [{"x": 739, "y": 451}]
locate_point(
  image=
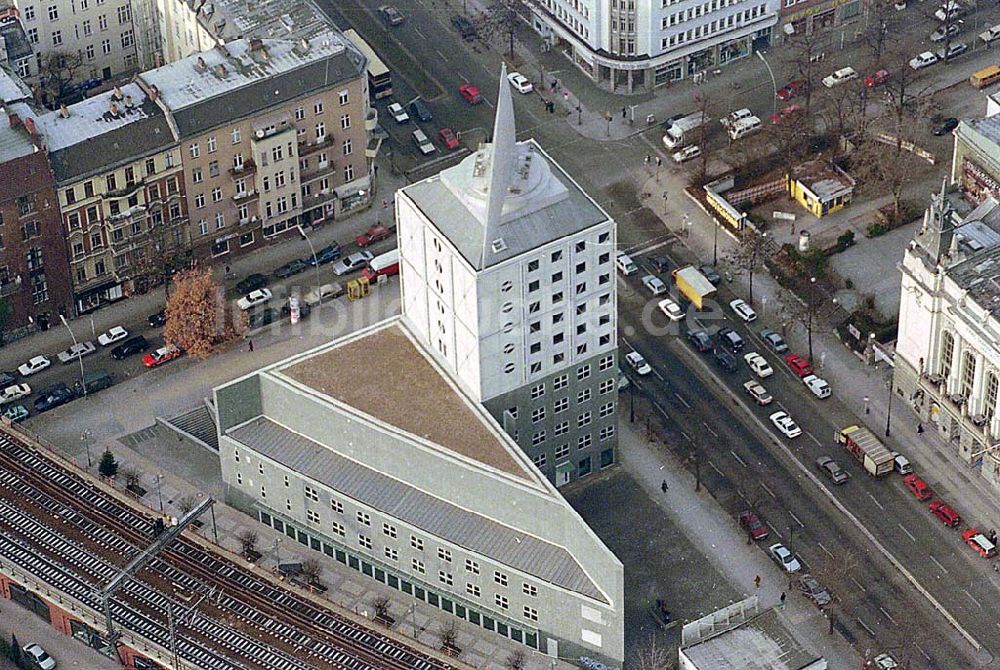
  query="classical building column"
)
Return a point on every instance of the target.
[
  {"x": 955, "y": 377},
  {"x": 978, "y": 401}
]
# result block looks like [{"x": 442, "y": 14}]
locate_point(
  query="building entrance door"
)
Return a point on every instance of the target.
[{"x": 563, "y": 473}]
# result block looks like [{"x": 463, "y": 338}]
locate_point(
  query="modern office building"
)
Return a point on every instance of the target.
[
  {"x": 365, "y": 450},
  {"x": 630, "y": 45},
  {"x": 507, "y": 277}
]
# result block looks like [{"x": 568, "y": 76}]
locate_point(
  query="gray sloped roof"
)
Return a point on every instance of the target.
[{"x": 531, "y": 555}]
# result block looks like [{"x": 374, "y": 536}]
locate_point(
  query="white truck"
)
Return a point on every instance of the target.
[{"x": 681, "y": 131}]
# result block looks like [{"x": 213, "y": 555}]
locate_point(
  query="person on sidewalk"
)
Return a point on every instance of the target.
[
  {"x": 663, "y": 486},
  {"x": 920, "y": 429},
  {"x": 756, "y": 581},
  {"x": 250, "y": 345},
  {"x": 782, "y": 600}
]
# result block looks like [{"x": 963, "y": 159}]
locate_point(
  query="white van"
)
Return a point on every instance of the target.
[
  {"x": 744, "y": 127},
  {"x": 425, "y": 145},
  {"x": 625, "y": 264}
]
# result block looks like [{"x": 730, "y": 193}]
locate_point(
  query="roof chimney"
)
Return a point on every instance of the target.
[
  {"x": 220, "y": 71},
  {"x": 64, "y": 111},
  {"x": 14, "y": 119},
  {"x": 29, "y": 123},
  {"x": 117, "y": 95},
  {"x": 128, "y": 101},
  {"x": 114, "y": 108},
  {"x": 200, "y": 65}
]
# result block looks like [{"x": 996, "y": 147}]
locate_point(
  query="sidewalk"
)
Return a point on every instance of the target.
[
  {"x": 721, "y": 541},
  {"x": 67, "y": 651},
  {"x": 134, "y": 311}
]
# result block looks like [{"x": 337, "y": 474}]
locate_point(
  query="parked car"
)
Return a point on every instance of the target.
[
  {"x": 758, "y": 364},
  {"x": 372, "y": 235},
  {"x": 397, "y": 112},
  {"x": 323, "y": 293},
  {"x": 743, "y": 310},
  {"x": 251, "y": 283},
  {"x": 638, "y": 363},
  {"x": 14, "y": 392},
  {"x": 420, "y": 110},
  {"x": 817, "y": 386},
  {"x": 113, "y": 335},
  {"x": 688, "y": 153},
  {"x": 253, "y": 299},
  {"x": 926, "y": 59},
  {"x": 129, "y": 347},
  {"x": 725, "y": 360},
  {"x": 161, "y": 356},
  {"x": 883, "y": 662},
  {"x": 711, "y": 274},
  {"x": 93, "y": 382},
  {"x": 519, "y": 82},
  {"x": 392, "y": 15},
  {"x": 76, "y": 352},
  {"x": 700, "y": 340},
  {"x": 291, "y": 268},
  {"x": 654, "y": 284},
  {"x": 352, "y": 263},
  {"x": 954, "y": 49},
  {"x": 670, "y": 308},
  {"x": 448, "y": 138},
  {"x": 813, "y": 590},
  {"x": 945, "y": 126},
  {"x": 918, "y": 487},
  {"x": 262, "y": 318},
  {"x": 799, "y": 365},
  {"x": 625, "y": 264},
  {"x": 157, "y": 320},
  {"x": 877, "y": 78},
  {"x": 750, "y": 522},
  {"x": 758, "y": 392},
  {"x": 470, "y": 93},
  {"x": 841, "y": 76},
  {"x": 774, "y": 341},
  {"x": 7, "y": 378},
  {"x": 979, "y": 543},
  {"x": 942, "y": 32},
  {"x": 793, "y": 89},
  {"x": 33, "y": 366},
  {"x": 832, "y": 470},
  {"x": 945, "y": 512},
  {"x": 784, "y": 423},
  {"x": 327, "y": 254},
  {"x": 16, "y": 413},
  {"x": 730, "y": 339},
  {"x": 784, "y": 113},
  {"x": 305, "y": 309},
  {"x": 39, "y": 656},
  {"x": 660, "y": 263},
  {"x": 464, "y": 27},
  {"x": 785, "y": 558},
  {"x": 53, "y": 397},
  {"x": 900, "y": 463}
]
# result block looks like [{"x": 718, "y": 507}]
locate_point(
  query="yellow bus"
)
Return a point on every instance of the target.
[
  {"x": 379, "y": 76},
  {"x": 985, "y": 77}
]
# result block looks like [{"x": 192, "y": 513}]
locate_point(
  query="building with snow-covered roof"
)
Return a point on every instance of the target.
[{"x": 414, "y": 485}]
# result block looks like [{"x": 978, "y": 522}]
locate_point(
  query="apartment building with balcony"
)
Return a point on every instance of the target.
[{"x": 272, "y": 135}]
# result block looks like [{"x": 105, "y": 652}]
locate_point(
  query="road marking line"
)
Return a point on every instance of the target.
[
  {"x": 813, "y": 438},
  {"x": 924, "y": 653},
  {"x": 937, "y": 563},
  {"x": 865, "y": 626},
  {"x": 683, "y": 401},
  {"x": 769, "y": 491},
  {"x": 792, "y": 514},
  {"x": 778, "y": 535},
  {"x": 686, "y": 436},
  {"x": 857, "y": 583},
  {"x": 966, "y": 592},
  {"x": 646, "y": 250},
  {"x": 715, "y": 468},
  {"x": 736, "y": 456},
  {"x": 887, "y": 615},
  {"x": 657, "y": 373},
  {"x": 662, "y": 411},
  {"x": 804, "y": 562},
  {"x": 877, "y": 503},
  {"x": 443, "y": 57},
  {"x": 709, "y": 428},
  {"x": 417, "y": 31},
  {"x": 908, "y": 533},
  {"x": 825, "y": 550}
]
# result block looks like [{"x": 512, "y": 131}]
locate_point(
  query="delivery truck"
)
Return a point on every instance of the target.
[
  {"x": 682, "y": 130},
  {"x": 693, "y": 285},
  {"x": 867, "y": 449}
]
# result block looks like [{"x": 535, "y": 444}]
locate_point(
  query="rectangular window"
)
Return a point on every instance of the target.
[
  {"x": 583, "y": 420},
  {"x": 529, "y": 589},
  {"x": 583, "y": 372},
  {"x": 416, "y": 543},
  {"x": 539, "y": 460},
  {"x": 364, "y": 542},
  {"x": 530, "y": 613},
  {"x": 537, "y": 391},
  {"x": 338, "y": 529},
  {"x": 312, "y": 516},
  {"x": 561, "y": 428},
  {"x": 607, "y": 409},
  {"x": 562, "y": 451},
  {"x": 471, "y": 566},
  {"x": 561, "y": 404},
  {"x": 538, "y": 415},
  {"x": 501, "y": 601},
  {"x": 538, "y": 438},
  {"x": 583, "y": 396},
  {"x": 345, "y": 121},
  {"x": 445, "y": 577},
  {"x": 391, "y": 554},
  {"x": 584, "y": 441},
  {"x": 417, "y": 565},
  {"x": 389, "y": 529},
  {"x": 607, "y": 386},
  {"x": 500, "y": 578},
  {"x": 364, "y": 518},
  {"x": 444, "y": 554},
  {"x": 607, "y": 433},
  {"x": 311, "y": 493},
  {"x": 472, "y": 589},
  {"x": 560, "y": 382}
]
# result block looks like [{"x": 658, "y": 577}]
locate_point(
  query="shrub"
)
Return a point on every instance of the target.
[
  {"x": 845, "y": 241},
  {"x": 876, "y": 229},
  {"x": 108, "y": 465}
]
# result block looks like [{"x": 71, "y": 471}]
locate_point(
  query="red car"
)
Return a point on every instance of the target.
[
  {"x": 470, "y": 93},
  {"x": 784, "y": 113},
  {"x": 799, "y": 365},
  {"x": 980, "y": 543},
  {"x": 877, "y": 78},
  {"x": 942, "y": 511},
  {"x": 918, "y": 487},
  {"x": 750, "y": 522},
  {"x": 161, "y": 356},
  {"x": 448, "y": 137},
  {"x": 373, "y": 235},
  {"x": 792, "y": 89}
]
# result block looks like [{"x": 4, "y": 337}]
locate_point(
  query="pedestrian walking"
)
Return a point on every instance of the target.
[
  {"x": 782, "y": 600},
  {"x": 663, "y": 486},
  {"x": 659, "y": 162},
  {"x": 920, "y": 429},
  {"x": 756, "y": 581},
  {"x": 867, "y": 408},
  {"x": 250, "y": 345},
  {"x": 996, "y": 566},
  {"x": 646, "y": 160},
  {"x": 623, "y": 112}
]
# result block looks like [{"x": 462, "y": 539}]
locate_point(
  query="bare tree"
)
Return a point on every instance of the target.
[
  {"x": 311, "y": 570},
  {"x": 381, "y": 607},
  {"x": 749, "y": 255},
  {"x": 56, "y": 72},
  {"x": 882, "y": 28},
  {"x": 703, "y": 101},
  {"x": 844, "y": 107},
  {"x": 186, "y": 504},
  {"x": 516, "y": 660},
  {"x": 499, "y": 22},
  {"x": 131, "y": 476},
  {"x": 248, "y": 543},
  {"x": 804, "y": 51},
  {"x": 449, "y": 636},
  {"x": 653, "y": 656}
]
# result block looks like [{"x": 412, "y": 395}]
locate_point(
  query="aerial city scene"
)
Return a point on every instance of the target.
[{"x": 499, "y": 334}]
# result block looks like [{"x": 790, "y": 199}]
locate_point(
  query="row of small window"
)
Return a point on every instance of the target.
[
  {"x": 557, "y": 256},
  {"x": 535, "y": 307},
  {"x": 538, "y": 414},
  {"x": 584, "y": 467},
  {"x": 535, "y": 328},
  {"x": 39, "y": 285},
  {"x": 715, "y": 26},
  {"x": 582, "y": 442},
  {"x": 694, "y": 12},
  {"x": 127, "y": 39},
  {"x": 29, "y": 15},
  {"x": 557, "y": 277},
  {"x": 560, "y": 382},
  {"x": 111, "y": 182}
]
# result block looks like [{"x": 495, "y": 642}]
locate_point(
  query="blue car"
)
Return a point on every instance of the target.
[
  {"x": 326, "y": 255},
  {"x": 16, "y": 413}
]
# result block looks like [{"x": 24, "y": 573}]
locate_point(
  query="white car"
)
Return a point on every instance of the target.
[
  {"x": 818, "y": 386},
  {"x": 75, "y": 352},
  {"x": 254, "y": 298},
  {"x": 36, "y": 364},
  {"x": 743, "y": 310},
  {"x": 638, "y": 363},
  {"x": 352, "y": 263},
  {"x": 116, "y": 334},
  {"x": 520, "y": 82},
  {"x": 758, "y": 364},
  {"x": 784, "y": 557},
  {"x": 784, "y": 423},
  {"x": 14, "y": 392},
  {"x": 686, "y": 154},
  {"x": 942, "y": 32},
  {"x": 758, "y": 392},
  {"x": 926, "y": 59},
  {"x": 398, "y": 113},
  {"x": 733, "y": 117},
  {"x": 841, "y": 76},
  {"x": 38, "y": 655},
  {"x": 671, "y": 309},
  {"x": 954, "y": 49},
  {"x": 885, "y": 662},
  {"x": 625, "y": 264},
  {"x": 654, "y": 284}
]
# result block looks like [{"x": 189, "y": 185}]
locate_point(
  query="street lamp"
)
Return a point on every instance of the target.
[
  {"x": 715, "y": 243},
  {"x": 79, "y": 358},
  {"x": 85, "y": 438},
  {"x": 774, "y": 84},
  {"x": 812, "y": 290},
  {"x": 312, "y": 250},
  {"x": 688, "y": 223},
  {"x": 888, "y": 414},
  {"x": 159, "y": 494}
]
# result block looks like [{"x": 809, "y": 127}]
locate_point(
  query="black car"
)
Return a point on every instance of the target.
[
  {"x": 326, "y": 255},
  {"x": 661, "y": 263},
  {"x": 291, "y": 268},
  {"x": 262, "y": 318},
  {"x": 725, "y": 360},
  {"x": 419, "y": 109},
  {"x": 945, "y": 126},
  {"x": 158, "y": 320},
  {"x": 304, "y": 310},
  {"x": 700, "y": 340},
  {"x": 251, "y": 283},
  {"x": 129, "y": 347},
  {"x": 710, "y": 274},
  {"x": 730, "y": 339},
  {"x": 53, "y": 397},
  {"x": 464, "y": 27},
  {"x": 7, "y": 378}
]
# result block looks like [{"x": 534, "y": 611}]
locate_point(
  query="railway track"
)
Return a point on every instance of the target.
[{"x": 264, "y": 625}]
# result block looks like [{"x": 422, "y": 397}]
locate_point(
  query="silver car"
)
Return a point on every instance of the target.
[
  {"x": 832, "y": 470},
  {"x": 352, "y": 263},
  {"x": 813, "y": 590}
]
